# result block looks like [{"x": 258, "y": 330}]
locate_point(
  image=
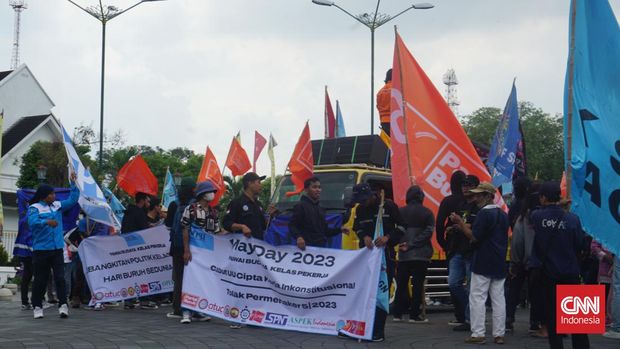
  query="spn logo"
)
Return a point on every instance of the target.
[
  {"x": 276, "y": 319},
  {"x": 580, "y": 308}
]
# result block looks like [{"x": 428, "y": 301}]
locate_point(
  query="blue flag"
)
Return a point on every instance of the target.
[
  {"x": 592, "y": 119},
  {"x": 503, "y": 152},
  {"x": 115, "y": 204},
  {"x": 91, "y": 200},
  {"x": 340, "y": 131},
  {"x": 170, "y": 190},
  {"x": 383, "y": 292}
]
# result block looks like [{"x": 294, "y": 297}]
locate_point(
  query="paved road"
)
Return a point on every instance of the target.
[{"x": 116, "y": 328}]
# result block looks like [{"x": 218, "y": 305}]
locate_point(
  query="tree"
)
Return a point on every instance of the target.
[
  {"x": 48, "y": 154},
  {"x": 543, "y": 134}
]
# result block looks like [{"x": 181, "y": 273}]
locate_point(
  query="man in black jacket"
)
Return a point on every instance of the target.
[
  {"x": 308, "y": 225},
  {"x": 135, "y": 217},
  {"x": 364, "y": 225}
]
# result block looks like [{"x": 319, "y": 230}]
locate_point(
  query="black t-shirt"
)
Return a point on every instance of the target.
[{"x": 242, "y": 210}]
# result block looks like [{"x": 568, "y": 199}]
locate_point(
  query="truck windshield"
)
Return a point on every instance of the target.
[{"x": 332, "y": 193}]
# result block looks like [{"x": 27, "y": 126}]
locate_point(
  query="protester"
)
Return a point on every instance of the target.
[
  {"x": 519, "y": 273},
  {"x": 489, "y": 236},
  {"x": 555, "y": 251},
  {"x": 384, "y": 102},
  {"x": 186, "y": 193},
  {"x": 520, "y": 190},
  {"x": 45, "y": 223},
  {"x": 198, "y": 214},
  {"x": 364, "y": 224},
  {"x": 614, "y": 328},
  {"x": 135, "y": 217},
  {"x": 415, "y": 252},
  {"x": 245, "y": 213},
  {"x": 308, "y": 225},
  {"x": 605, "y": 267},
  {"x": 154, "y": 213}
]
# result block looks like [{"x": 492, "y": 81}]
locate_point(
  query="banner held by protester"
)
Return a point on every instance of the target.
[{"x": 318, "y": 290}]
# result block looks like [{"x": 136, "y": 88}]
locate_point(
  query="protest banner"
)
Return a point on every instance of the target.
[
  {"x": 318, "y": 290},
  {"x": 127, "y": 266}
]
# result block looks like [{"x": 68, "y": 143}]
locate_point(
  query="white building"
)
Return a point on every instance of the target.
[{"x": 27, "y": 119}]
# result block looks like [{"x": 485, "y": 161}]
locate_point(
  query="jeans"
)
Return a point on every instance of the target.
[
  {"x": 417, "y": 271},
  {"x": 481, "y": 287},
  {"x": 579, "y": 341},
  {"x": 520, "y": 277},
  {"x": 459, "y": 272},
  {"x": 615, "y": 300},
  {"x": 378, "y": 330},
  {"x": 43, "y": 262},
  {"x": 26, "y": 278}
]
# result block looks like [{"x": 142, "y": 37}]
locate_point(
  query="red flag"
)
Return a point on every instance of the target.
[
  {"x": 330, "y": 119},
  {"x": 428, "y": 142},
  {"x": 211, "y": 171},
  {"x": 259, "y": 144},
  {"x": 563, "y": 185},
  {"x": 136, "y": 177},
  {"x": 301, "y": 164},
  {"x": 237, "y": 160}
]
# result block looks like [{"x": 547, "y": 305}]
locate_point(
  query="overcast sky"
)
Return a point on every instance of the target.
[{"x": 192, "y": 73}]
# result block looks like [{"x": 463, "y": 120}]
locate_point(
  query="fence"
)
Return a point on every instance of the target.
[{"x": 8, "y": 241}]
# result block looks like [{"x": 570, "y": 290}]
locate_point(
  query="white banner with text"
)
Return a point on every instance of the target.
[
  {"x": 248, "y": 281},
  {"x": 127, "y": 266}
]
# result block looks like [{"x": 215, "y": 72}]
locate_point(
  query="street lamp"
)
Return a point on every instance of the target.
[
  {"x": 104, "y": 14},
  {"x": 178, "y": 178},
  {"x": 41, "y": 173},
  {"x": 373, "y": 21}
]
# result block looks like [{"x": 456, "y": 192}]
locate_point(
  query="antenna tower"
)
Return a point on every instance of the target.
[
  {"x": 450, "y": 80},
  {"x": 18, "y": 6}
]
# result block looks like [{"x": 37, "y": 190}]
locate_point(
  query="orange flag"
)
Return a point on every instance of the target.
[
  {"x": 237, "y": 160},
  {"x": 301, "y": 164},
  {"x": 211, "y": 171},
  {"x": 330, "y": 118},
  {"x": 563, "y": 185},
  {"x": 428, "y": 142},
  {"x": 136, "y": 177}
]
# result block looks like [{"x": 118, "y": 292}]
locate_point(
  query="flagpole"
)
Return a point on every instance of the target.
[
  {"x": 404, "y": 106},
  {"x": 569, "y": 121},
  {"x": 325, "y": 122}
]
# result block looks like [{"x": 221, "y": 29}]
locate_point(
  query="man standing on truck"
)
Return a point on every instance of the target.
[
  {"x": 364, "y": 225},
  {"x": 308, "y": 225},
  {"x": 384, "y": 101}
]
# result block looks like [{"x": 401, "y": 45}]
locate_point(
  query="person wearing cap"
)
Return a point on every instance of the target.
[
  {"x": 414, "y": 255},
  {"x": 245, "y": 213},
  {"x": 198, "y": 215},
  {"x": 308, "y": 225},
  {"x": 489, "y": 236},
  {"x": 384, "y": 100},
  {"x": 558, "y": 241},
  {"x": 364, "y": 224},
  {"x": 45, "y": 223}
]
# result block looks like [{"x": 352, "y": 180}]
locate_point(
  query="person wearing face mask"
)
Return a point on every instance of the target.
[
  {"x": 489, "y": 238},
  {"x": 198, "y": 214}
]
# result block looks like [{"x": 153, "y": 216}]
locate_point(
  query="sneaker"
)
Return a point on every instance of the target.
[
  {"x": 476, "y": 340},
  {"x": 38, "y": 313},
  {"x": 534, "y": 328},
  {"x": 417, "y": 320},
  {"x": 63, "y": 311},
  {"x": 612, "y": 334},
  {"x": 397, "y": 319},
  {"x": 165, "y": 303},
  {"x": 498, "y": 340},
  {"x": 98, "y": 307},
  {"x": 26, "y": 307},
  {"x": 187, "y": 317},
  {"x": 378, "y": 339},
  {"x": 461, "y": 328},
  {"x": 172, "y": 315},
  {"x": 201, "y": 318},
  {"x": 455, "y": 323},
  {"x": 235, "y": 326},
  {"x": 129, "y": 306},
  {"x": 510, "y": 327},
  {"x": 149, "y": 306},
  {"x": 46, "y": 305}
]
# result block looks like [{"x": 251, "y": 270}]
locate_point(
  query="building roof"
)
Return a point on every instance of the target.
[
  {"x": 19, "y": 130},
  {"x": 4, "y": 74}
]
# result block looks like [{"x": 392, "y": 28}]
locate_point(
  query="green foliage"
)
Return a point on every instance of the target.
[
  {"x": 543, "y": 135},
  {"x": 51, "y": 155},
  {"x": 4, "y": 257}
]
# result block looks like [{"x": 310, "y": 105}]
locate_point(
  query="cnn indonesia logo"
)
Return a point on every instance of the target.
[{"x": 580, "y": 308}]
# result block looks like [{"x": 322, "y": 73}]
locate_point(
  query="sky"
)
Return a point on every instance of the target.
[{"x": 192, "y": 73}]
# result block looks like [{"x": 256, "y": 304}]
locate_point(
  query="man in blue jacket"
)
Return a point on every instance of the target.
[{"x": 45, "y": 222}]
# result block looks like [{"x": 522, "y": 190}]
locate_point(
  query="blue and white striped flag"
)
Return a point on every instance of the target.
[
  {"x": 170, "y": 190},
  {"x": 92, "y": 201}
]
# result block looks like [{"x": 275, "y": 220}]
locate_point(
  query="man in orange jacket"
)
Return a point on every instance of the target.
[{"x": 383, "y": 102}]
